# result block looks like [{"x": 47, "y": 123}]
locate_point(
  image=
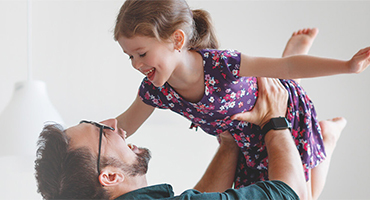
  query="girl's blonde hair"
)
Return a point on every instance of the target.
[{"x": 160, "y": 19}]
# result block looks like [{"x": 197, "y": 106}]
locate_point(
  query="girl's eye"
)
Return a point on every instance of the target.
[
  {"x": 142, "y": 55},
  {"x": 130, "y": 57}
]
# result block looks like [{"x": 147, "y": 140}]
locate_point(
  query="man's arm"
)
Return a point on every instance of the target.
[
  {"x": 220, "y": 173},
  {"x": 284, "y": 160},
  {"x": 272, "y": 101}
]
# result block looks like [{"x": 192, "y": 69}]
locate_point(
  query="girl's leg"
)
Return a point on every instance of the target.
[
  {"x": 331, "y": 130},
  {"x": 300, "y": 43},
  {"x": 309, "y": 184}
]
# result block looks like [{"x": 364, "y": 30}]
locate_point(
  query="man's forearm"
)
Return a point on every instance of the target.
[
  {"x": 220, "y": 173},
  {"x": 284, "y": 161}
]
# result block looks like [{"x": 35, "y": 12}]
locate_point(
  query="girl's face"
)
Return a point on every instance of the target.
[{"x": 155, "y": 59}]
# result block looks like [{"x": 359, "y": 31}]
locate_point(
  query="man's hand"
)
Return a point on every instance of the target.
[
  {"x": 271, "y": 102},
  {"x": 284, "y": 160},
  {"x": 228, "y": 140}
]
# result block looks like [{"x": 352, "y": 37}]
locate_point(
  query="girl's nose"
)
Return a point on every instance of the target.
[
  {"x": 110, "y": 122},
  {"x": 137, "y": 64}
]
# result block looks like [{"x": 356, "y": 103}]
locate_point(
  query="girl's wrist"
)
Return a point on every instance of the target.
[{"x": 348, "y": 67}]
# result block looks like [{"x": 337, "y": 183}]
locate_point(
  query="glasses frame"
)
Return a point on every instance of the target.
[{"x": 101, "y": 127}]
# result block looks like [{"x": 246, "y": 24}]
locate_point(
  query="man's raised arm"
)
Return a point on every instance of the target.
[{"x": 284, "y": 161}]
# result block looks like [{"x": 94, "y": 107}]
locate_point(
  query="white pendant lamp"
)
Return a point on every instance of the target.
[
  {"x": 27, "y": 112},
  {"x": 24, "y": 117}
]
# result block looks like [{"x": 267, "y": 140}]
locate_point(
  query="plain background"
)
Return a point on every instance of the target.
[{"x": 89, "y": 77}]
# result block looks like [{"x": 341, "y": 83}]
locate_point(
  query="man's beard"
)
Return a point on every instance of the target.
[{"x": 140, "y": 167}]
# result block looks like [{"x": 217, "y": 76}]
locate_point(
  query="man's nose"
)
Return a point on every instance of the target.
[{"x": 110, "y": 122}]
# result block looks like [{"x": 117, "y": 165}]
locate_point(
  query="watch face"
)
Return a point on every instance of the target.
[{"x": 280, "y": 123}]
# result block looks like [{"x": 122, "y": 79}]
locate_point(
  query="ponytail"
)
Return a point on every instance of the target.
[
  {"x": 161, "y": 18},
  {"x": 204, "y": 36}
]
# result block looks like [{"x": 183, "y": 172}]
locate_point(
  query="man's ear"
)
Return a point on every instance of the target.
[
  {"x": 111, "y": 176},
  {"x": 179, "y": 39}
]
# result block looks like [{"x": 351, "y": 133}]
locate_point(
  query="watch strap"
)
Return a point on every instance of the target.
[{"x": 278, "y": 123}]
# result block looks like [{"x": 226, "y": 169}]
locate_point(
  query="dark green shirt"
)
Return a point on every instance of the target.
[{"x": 261, "y": 190}]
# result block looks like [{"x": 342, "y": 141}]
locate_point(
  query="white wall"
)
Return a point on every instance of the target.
[{"x": 89, "y": 77}]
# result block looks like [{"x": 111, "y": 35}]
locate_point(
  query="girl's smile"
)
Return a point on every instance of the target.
[
  {"x": 168, "y": 61},
  {"x": 150, "y": 74},
  {"x": 153, "y": 58}
]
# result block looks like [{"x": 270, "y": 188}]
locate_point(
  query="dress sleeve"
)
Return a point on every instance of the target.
[
  {"x": 151, "y": 95},
  {"x": 231, "y": 59}
]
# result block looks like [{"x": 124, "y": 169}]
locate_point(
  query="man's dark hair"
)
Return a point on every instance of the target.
[{"x": 63, "y": 173}]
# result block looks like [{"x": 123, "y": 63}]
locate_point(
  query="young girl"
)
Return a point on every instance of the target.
[{"x": 175, "y": 48}]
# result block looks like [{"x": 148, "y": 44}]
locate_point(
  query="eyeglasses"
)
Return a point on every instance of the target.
[{"x": 101, "y": 127}]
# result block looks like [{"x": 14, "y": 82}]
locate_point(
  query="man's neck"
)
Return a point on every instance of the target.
[{"x": 128, "y": 185}]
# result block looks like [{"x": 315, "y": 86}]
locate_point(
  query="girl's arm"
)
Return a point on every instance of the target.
[
  {"x": 302, "y": 66},
  {"x": 134, "y": 116}
]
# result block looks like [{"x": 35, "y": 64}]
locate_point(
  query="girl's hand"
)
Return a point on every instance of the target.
[{"x": 360, "y": 61}]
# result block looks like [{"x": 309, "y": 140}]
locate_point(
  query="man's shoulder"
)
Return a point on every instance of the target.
[
  {"x": 269, "y": 190},
  {"x": 260, "y": 190},
  {"x": 159, "y": 191}
]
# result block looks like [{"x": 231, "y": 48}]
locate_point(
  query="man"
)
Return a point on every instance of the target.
[{"x": 92, "y": 160}]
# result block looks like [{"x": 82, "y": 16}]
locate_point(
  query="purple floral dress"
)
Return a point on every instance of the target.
[{"x": 227, "y": 94}]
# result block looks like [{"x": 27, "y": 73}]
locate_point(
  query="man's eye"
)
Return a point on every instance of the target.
[{"x": 142, "y": 55}]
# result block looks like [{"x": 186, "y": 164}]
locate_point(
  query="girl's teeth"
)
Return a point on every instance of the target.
[{"x": 149, "y": 71}]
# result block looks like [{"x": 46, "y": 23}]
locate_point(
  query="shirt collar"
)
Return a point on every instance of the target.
[{"x": 151, "y": 192}]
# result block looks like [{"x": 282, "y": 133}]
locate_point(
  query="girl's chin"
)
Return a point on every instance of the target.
[{"x": 157, "y": 84}]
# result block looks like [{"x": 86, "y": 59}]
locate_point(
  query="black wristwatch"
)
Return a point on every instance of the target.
[{"x": 279, "y": 123}]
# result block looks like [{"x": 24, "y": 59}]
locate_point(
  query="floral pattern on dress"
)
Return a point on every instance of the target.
[{"x": 227, "y": 94}]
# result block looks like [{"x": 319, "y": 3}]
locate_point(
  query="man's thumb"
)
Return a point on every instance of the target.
[{"x": 246, "y": 116}]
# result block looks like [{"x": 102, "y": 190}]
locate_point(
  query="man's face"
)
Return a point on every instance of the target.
[{"x": 113, "y": 145}]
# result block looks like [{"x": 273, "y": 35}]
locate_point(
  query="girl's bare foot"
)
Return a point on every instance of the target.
[
  {"x": 300, "y": 42},
  {"x": 331, "y": 130}
]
